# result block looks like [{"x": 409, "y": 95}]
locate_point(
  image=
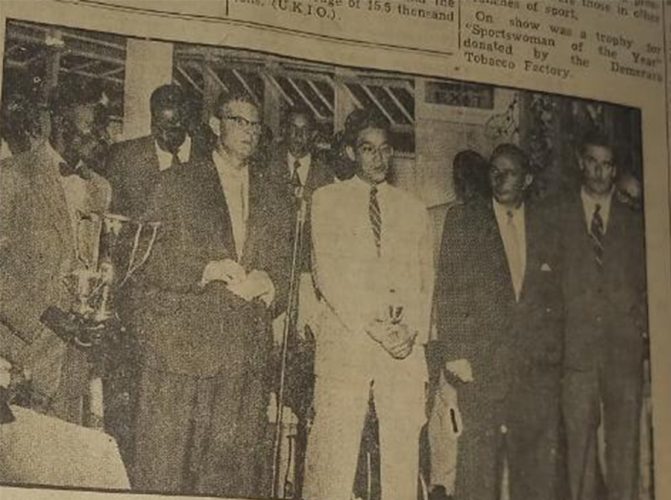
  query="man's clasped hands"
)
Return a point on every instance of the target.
[
  {"x": 395, "y": 336},
  {"x": 249, "y": 286}
]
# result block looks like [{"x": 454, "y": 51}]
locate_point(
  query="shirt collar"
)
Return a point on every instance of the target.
[
  {"x": 304, "y": 161},
  {"x": 592, "y": 200},
  {"x": 361, "y": 184},
  {"x": 589, "y": 203},
  {"x": 501, "y": 211},
  {"x": 165, "y": 157},
  {"x": 55, "y": 157},
  {"x": 223, "y": 164}
]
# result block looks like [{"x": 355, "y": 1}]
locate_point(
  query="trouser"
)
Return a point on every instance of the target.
[
  {"x": 521, "y": 430},
  {"x": 333, "y": 445},
  {"x": 201, "y": 435},
  {"x": 585, "y": 394},
  {"x": 443, "y": 430}
]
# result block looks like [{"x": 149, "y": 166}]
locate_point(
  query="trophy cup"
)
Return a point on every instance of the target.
[{"x": 104, "y": 268}]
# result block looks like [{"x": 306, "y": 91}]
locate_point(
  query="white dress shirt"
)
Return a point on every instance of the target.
[
  {"x": 513, "y": 233},
  {"x": 303, "y": 169},
  {"x": 235, "y": 184},
  {"x": 589, "y": 203},
  {"x": 74, "y": 189},
  {"x": 165, "y": 157}
]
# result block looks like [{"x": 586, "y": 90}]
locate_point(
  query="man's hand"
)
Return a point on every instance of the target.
[
  {"x": 5, "y": 372},
  {"x": 257, "y": 284},
  {"x": 226, "y": 270},
  {"x": 377, "y": 330},
  {"x": 399, "y": 341},
  {"x": 461, "y": 368},
  {"x": 396, "y": 339}
]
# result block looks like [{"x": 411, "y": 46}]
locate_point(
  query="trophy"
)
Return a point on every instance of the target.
[{"x": 106, "y": 262}]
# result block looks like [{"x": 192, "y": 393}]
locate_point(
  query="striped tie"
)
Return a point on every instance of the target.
[
  {"x": 596, "y": 232},
  {"x": 375, "y": 218}
]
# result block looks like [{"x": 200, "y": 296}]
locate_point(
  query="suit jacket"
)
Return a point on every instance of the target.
[
  {"x": 606, "y": 313},
  {"x": 477, "y": 315},
  {"x": 133, "y": 171},
  {"x": 37, "y": 249},
  {"x": 356, "y": 284},
  {"x": 183, "y": 328},
  {"x": 319, "y": 175}
]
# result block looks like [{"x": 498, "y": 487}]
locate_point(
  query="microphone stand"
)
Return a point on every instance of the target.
[{"x": 289, "y": 323}]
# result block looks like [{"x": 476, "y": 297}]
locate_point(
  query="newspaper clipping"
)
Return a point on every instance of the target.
[{"x": 335, "y": 249}]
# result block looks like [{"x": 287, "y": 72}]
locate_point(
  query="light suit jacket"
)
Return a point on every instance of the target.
[
  {"x": 37, "y": 249},
  {"x": 356, "y": 284}
]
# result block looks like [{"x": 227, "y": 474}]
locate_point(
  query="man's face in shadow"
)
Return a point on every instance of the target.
[
  {"x": 77, "y": 132},
  {"x": 300, "y": 134},
  {"x": 168, "y": 126},
  {"x": 509, "y": 180},
  {"x": 598, "y": 169}
]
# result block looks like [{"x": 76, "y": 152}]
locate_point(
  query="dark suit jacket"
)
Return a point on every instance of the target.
[
  {"x": 477, "y": 316},
  {"x": 606, "y": 313},
  {"x": 181, "y": 327},
  {"x": 133, "y": 171},
  {"x": 319, "y": 175}
]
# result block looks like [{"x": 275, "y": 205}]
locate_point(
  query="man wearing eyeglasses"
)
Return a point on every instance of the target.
[
  {"x": 604, "y": 348},
  {"x": 373, "y": 263},
  {"x": 208, "y": 292}
]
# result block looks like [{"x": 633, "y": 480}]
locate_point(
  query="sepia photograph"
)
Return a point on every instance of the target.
[{"x": 238, "y": 274}]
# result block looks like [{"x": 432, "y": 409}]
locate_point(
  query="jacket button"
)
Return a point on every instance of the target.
[{"x": 503, "y": 429}]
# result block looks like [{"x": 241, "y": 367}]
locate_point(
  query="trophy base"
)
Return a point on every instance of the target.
[{"x": 101, "y": 341}]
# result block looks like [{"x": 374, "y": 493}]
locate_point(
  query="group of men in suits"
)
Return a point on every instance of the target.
[
  {"x": 539, "y": 307},
  {"x": 540, "y": 314}
]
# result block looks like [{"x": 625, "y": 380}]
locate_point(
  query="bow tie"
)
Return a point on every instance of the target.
[{"x": 67, "y": 170}]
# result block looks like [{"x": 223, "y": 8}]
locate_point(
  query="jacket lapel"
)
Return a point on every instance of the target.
[
  {"x": 215, "y": 200},
  {"x": 533, "y": 227},
  {"x": 494, "y": 242},
  {"x": 47, "y": 185},
  {"x": 254, "y": 215}
]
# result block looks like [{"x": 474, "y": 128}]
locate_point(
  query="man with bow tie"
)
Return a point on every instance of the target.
[
  {"x": 44, "y": 195},
  {"x": 374, "y": 270},
  {"x": 604, "y": 286},
  {"x": 499, "y": 320}
]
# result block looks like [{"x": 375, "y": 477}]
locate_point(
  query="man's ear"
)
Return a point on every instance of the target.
[
  {"x": 581, "y": 163},
  {"x": 349, "y": 150}
]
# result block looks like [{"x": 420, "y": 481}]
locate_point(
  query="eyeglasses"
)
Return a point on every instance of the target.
[
  {"x": 369, "y": 150},
  {"x": 244, "y": 123}
]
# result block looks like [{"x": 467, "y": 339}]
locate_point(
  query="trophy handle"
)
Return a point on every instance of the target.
[
  {"x": 82, "y": 216},
  {"x": 132, "y": 265}
]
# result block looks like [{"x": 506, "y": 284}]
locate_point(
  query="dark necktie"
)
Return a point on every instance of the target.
[
  {"x": 295, "y": 178},
  {"x": 66, "y": 170},
  {"x": 375, "y": 218},
  {"x": 596, "y": 232}
]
